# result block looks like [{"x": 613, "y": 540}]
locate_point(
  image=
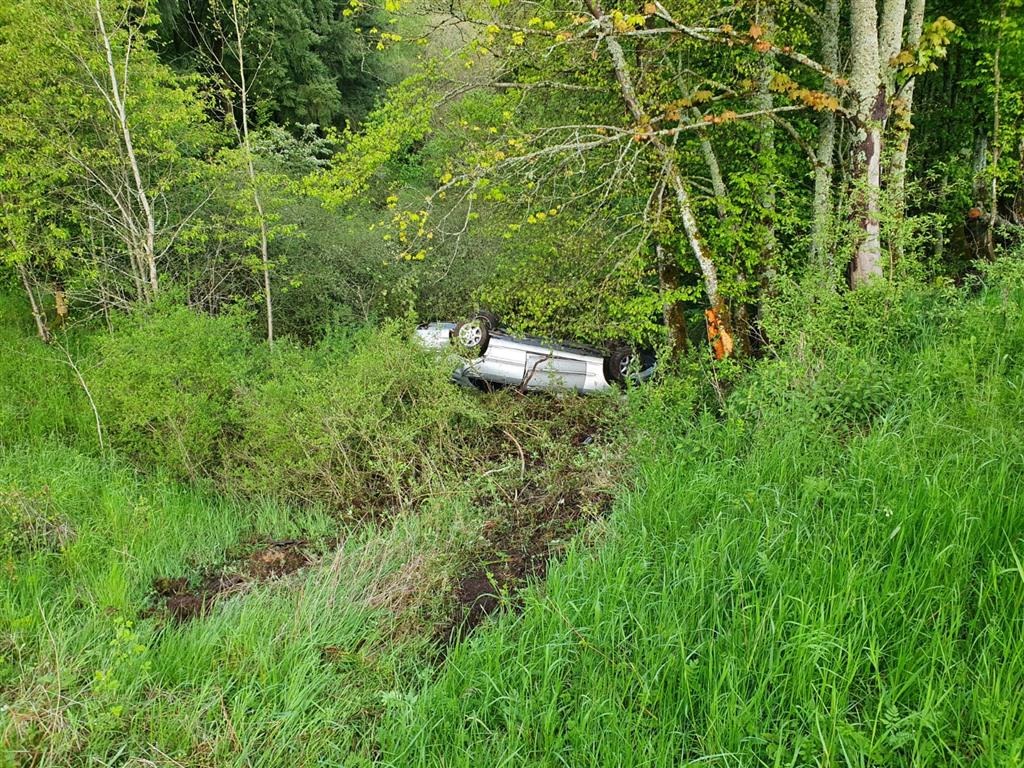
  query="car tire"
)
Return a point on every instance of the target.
[
  {"x": 618, "y": 363},
  {"x": 472, "y": 336},
  {"x": 493, "y": 323}
]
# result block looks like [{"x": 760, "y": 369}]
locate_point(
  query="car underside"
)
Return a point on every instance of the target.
[{"x": 491, "y": 357}]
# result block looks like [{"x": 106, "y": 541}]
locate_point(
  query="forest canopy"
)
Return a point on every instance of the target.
[{"x": 589, "y": 170}]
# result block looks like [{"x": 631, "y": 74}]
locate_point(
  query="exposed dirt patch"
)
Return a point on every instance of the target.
[
  {"x": 566, "y": 481},
  {"x": 518, "y": 549},
  {"x": 279, "y": 558},
  {"x": 183, "y": 599}
]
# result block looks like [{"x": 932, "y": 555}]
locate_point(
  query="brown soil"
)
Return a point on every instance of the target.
[
  {"x": 516, "y": 552},
  {"x": 556, "y": 498},
  {"x": 183, "y": 600}
]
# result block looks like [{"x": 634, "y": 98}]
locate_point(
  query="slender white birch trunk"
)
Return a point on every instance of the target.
[
  {"x": 146, "y": 245},
  {"x": 251, "y": 169}
]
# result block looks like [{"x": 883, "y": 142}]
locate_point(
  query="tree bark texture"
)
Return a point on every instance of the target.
[
  {"x": 42, "y": 328},
  {"x": 869, "y": 93}
]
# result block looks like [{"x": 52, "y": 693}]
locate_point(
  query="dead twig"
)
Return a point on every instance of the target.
[{"x": 522, "y": 454}]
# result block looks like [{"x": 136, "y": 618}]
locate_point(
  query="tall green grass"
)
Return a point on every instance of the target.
[
  {"x": 803, "y": 583},
  {"x": 39, "y": 395},
  {"x": 94, "y": 669},
  {"x": 282, "y": 673}
]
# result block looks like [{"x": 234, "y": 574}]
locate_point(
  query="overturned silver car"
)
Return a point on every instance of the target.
[{"x": 490, "y": 357}]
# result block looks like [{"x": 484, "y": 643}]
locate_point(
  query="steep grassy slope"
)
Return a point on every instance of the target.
[
  {"x": 830, "y": 573},
  {"x": 833, "y": 575},
  {"x": 146, "y": 621}
]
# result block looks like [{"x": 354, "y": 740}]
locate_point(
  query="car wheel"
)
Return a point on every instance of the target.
[
  {"x": 618, "y": 363},
  {"x": 472, "y": 336},
  {"x": 493, "y": 323}
]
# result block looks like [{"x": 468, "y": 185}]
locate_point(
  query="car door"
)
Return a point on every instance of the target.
[
  {"x": 549, "y": 370},
  {"x": 502, "y": 363}
]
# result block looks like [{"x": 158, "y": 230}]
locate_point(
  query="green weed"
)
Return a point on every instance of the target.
[{"x": 781, "y": 590}]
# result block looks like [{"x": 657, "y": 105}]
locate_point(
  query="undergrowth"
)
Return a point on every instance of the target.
[
  {"x": 829, "y": 575},
  {"x": 826, "y": 570},
  {"x": 271, "y": 547}
]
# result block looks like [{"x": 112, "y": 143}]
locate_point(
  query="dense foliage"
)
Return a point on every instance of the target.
[
  {"x": 246, "y": 520},
  {"x": 604, "y": 173},
  {"x": 310, "y": 63},
  {"x": 828, "y": 566}
]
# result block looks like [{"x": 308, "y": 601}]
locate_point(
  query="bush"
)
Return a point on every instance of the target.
[
  {"x": 164, "y": 384},
  {"x": 840, "y": 355},
  {"x": 363, "y": 422},
  {"x": 366, "y": 421}
]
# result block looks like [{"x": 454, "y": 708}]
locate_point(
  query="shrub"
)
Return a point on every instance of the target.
[
  {"x": 163, "y": 384},
  {"x": 842, "y": 355},
  {"x": 362, "y": 422}
]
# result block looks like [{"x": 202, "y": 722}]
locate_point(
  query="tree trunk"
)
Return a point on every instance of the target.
[
  {"x": 997, "y": 76},
  {"x": 60, "y": 300},
  {"x": 766, "y": 141},
  {"x": 824, "y": 166},
  {"x": 715, "y": 172},
  {"x": 890, "y": 40},
  {"x": 147, "y": 246},
  {"x": 707, "y": 267},
  {"x": 742, "y": 322},
  {"x": 42, "y": 329},
  {"x": 247, "y": 148},
  {"x": 975, "y": 228},
  {"x": 138, "y": 273},
  {"x": 669, "y": 165},
  {"x": 748, "y": 313},
  {"x": 866, "y": 83},
  {"x": 979, "y": 167},
  {"x": 670, "y": 278},
  {"x": 898, "y": 172}
]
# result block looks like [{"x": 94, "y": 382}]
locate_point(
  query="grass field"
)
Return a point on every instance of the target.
[
  {"x": 829, "y": 573},
  {"x": 785, "y": 588},
  {"x": 148, "y": 622}
]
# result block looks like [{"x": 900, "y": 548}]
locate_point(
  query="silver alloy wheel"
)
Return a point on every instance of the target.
[
  {"x": 471, "y": 334},
  {"x": 624, "y": 364}
]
